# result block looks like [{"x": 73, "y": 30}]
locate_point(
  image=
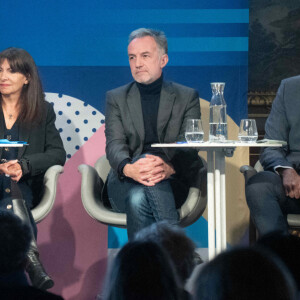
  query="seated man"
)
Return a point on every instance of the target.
[
  {"x": 274, "y": 193},
  {"x": 144, "y": 182}
]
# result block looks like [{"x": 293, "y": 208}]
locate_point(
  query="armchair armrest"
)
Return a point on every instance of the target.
[
  {"x": 248, "y": 172},
  {"x": 50, "y": 187},
  {"x": 91, "y": 187}
]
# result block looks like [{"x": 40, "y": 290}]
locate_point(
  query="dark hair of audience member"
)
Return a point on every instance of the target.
[
  {"x": 142, "y": 270},
  {"x": 174, "y": 240},
  {"x": 13, "y": 250},
  {"x": 245, "y": 274},
  {"x": 287, "y": 247}
]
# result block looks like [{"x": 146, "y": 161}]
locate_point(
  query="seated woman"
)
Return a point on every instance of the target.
[{"x": 26, "y": 116}]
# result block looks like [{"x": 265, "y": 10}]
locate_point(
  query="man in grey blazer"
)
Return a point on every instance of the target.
[
  {"x": 143, "y": 180},
  {"x": 274, "y": 193}
]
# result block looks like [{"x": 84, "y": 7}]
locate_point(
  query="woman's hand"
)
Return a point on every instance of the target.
[
  {"x": 4, "y": 166},
  {"x": 13, "y": 169}
]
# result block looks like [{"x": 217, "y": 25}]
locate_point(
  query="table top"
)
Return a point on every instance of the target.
[{"x": 227, "y": 144}]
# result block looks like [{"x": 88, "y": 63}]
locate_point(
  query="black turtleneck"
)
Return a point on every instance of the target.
[{"x": 150, "y": 96}]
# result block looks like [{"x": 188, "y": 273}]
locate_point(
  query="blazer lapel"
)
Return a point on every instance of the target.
[
  {"x": 135, "y": 110},
  {"x": 167, "y": 98},
  {"x": 24, "y": 133}
]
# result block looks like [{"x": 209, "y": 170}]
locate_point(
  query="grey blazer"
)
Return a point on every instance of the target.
[
  {"x": 283, "y": 123},
  {"x": 124, "y": 127}
]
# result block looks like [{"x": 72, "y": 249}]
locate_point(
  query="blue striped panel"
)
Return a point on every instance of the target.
[
  {"x": 206, "y": 44},
  {"x": 208, "y": 58},
  {"x": 115, "y": 59},
  {"x": 164, "y": 16},
  {"x": 80, "y": 7},
  {"x": 153, "y": 16}
]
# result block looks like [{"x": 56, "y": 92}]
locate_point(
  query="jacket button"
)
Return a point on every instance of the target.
[{"x": 7, "y": 190}]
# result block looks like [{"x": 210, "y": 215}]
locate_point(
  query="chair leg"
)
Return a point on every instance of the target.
[{"x": 252, "y": 232}]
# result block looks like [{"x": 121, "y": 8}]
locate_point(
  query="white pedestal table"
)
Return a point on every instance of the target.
[{"x": 216, "y": 189}]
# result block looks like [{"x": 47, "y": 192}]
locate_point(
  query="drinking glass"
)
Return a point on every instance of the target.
[
  {"x": 248, "y": 131},
  {"x": 194, "y": 131}
]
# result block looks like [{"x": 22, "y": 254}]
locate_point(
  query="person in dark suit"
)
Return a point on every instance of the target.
[
  {"x": 274, "y": 193},
  {"x": 143, "y": 180},
  {"x": 26, "y": 116}
]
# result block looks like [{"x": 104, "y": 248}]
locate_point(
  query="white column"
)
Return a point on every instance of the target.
[
  {"x": 211, "y": 204},
  {"x": 218, "y": 157},
  {"x": 223, "y": 201}
]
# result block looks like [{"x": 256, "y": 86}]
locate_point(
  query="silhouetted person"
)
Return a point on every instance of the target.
[
  {"x": 287, "y": 247},
  {"x": 179, "y": 247},
  {"x": 245, "y": 274},
  {"x": 13, "y": 260},
  {"x": 142, "y": 271}
]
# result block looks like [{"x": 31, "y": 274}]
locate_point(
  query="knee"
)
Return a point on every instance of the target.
[
  {"x": 262, "y": 184},
  {"x": 136, "y": 200}
]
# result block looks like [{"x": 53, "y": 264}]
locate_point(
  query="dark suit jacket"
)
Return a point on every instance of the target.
[
  {"x": 45, "y": 148},
  {"x": 283, "y": 123},
  {"x": 124, "y": 127}
]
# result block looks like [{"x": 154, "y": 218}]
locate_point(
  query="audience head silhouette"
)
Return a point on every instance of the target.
[
  {"x": 142, "y": 270},
  {"x": 245, "y": 274},
  {"x": 13, "y": 282},
  {"x": 178, "y": 246},
  {"x": 287, "y": 247}
]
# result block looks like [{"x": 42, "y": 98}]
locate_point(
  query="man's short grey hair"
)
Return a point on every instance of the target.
[{"x": 159, "y": 37}]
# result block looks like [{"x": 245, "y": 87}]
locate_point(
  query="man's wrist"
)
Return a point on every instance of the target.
[
  {"x": 172, "y": 170},
  {"x": 282, "y": 171},
  {"x": 126, "y": 170},
  {"x": 121, "y": 167}
]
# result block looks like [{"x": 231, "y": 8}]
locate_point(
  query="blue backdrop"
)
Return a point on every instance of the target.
[{"x": 80, "y": 48}]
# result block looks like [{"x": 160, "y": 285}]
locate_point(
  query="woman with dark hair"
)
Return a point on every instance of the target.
[
  {"x": 142, "y": 270},
  {"x": 26, "y": 116}
]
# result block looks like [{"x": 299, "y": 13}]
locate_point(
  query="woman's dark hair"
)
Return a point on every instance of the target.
[
  {"x": 32, "y": 95},
  {"x": 142, "y": 270}
]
